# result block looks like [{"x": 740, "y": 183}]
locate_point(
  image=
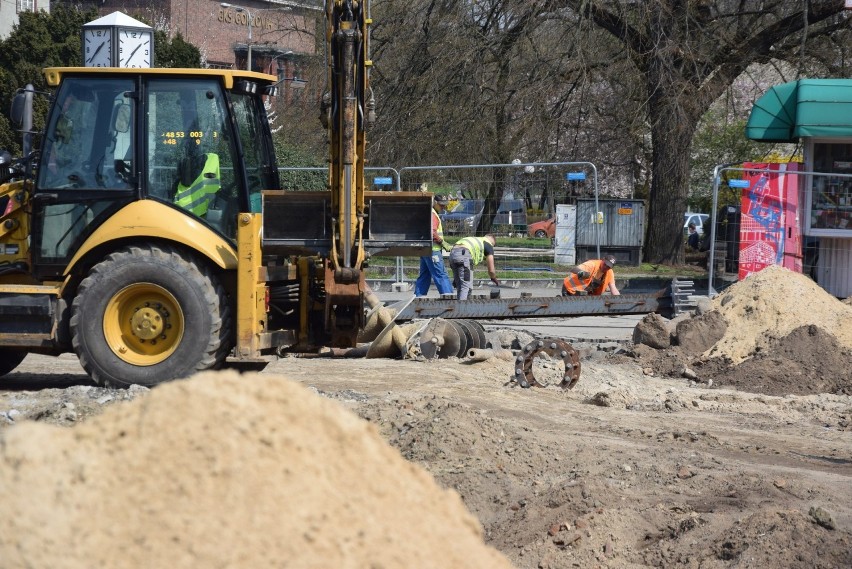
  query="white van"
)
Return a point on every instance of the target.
[{"x": 698, "y": 219}]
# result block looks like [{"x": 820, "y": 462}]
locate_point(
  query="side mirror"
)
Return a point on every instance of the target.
[
  {"x": 22, "y": 116},
  {"x": 16, "y": 113}
]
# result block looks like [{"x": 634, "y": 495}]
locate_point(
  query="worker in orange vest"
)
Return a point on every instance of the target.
[{"x": 592, "y": 277}]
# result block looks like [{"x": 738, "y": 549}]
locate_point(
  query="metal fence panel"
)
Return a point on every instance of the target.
[
  {"x": 530, "y": 193},
  {"x": 378, "y": 178},
  {"x": 786, "y": 230}
]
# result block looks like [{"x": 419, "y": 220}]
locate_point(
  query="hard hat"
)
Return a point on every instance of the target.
[{"x": 609, "y": 261}]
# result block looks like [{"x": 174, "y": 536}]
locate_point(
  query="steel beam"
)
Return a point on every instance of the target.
[{"x": 526, "y": 307}]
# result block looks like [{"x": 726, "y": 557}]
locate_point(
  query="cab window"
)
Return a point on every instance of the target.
[
  {"x": 257, "y": 147},
  {"x": 190, "y": 150},
  {"x": 89, "y": 136}
]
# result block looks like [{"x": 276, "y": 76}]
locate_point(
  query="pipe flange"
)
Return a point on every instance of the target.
[{"x": 556, "y": 349}]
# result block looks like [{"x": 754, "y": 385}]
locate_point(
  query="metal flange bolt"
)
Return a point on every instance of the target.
[{"x": 555, "y": 348}]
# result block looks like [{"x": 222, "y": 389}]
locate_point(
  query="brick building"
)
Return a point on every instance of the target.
[{"x": 283, "y": 32}]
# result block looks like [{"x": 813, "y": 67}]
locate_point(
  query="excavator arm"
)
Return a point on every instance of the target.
[
  {"x": 347, "y": 224},
  {"x": 349, "y": 88}
]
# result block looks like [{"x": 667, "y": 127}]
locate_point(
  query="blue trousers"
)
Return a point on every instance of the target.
[{"x": 432, "y": 269}]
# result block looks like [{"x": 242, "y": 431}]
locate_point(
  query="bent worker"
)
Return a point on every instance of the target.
[
  {"x": 432, "y": 266},
  {"x": 592, "y": 277},
  {"x": 466, "y": 254}
]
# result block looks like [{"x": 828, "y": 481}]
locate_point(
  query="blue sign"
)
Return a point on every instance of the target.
[
  {"x": 738, "y": 183},
  {"x": 573, "y": 176},
  {"x": 383, "y": 181}
]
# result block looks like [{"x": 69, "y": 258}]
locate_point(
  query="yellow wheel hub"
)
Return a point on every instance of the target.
[{"x": 143, "y": 324}]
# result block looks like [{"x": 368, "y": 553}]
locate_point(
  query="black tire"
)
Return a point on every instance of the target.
[
  {"x": 10, "y": 359},
  {"x": 540, "y": 233},
  {"x": 149, "y": 314}
]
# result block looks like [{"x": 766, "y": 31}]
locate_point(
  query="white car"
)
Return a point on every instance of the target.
[{"x": 698, "y": 219}]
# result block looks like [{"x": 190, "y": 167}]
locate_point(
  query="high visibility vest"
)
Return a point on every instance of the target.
[
  {"x": 476, "y": 246},
  {"x": 197, "y": 196},
  {"x": 440, "y": 231},
  {"x": 597, "y": 271}
]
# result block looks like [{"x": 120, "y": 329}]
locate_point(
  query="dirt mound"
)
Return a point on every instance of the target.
[
  {"x": 775, "y": 333},
  {"x": 769, "y": 305},
  {"x": 808, "y": 360},
  {"x": 223, "y": 470},
  {"x": 763, "y": 539}
]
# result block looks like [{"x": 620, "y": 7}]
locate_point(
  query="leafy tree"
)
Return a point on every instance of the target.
[
  {"x": 174, "y": 52},
  {"x": 468, "y": 82},
  {"x": 718, "y": 142},
  {"x": 687, "y": 54},
  {"x": 294, "y": 155},
  {"x": 622, "y": 84},
  {"x": 39, "y": 40}
]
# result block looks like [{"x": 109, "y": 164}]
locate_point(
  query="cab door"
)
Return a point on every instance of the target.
[
  {"x": 88, "y": 167},
  {"x": 191, "y": 150}
]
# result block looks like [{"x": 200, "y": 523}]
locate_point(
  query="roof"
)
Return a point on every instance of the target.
[
  {"x": 117, "y": 19},
  {"x": 53, "y": 75},
  {"x": 807, "y": 107}
]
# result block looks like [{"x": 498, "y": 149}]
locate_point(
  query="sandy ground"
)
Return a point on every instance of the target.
[{"x": 636, "y": 466}]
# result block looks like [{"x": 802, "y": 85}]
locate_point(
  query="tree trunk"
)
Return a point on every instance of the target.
[{"x": 672, "y": 129}]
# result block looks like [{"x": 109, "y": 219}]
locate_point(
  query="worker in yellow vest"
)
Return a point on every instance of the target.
[
  {"x": 195, "y": 194},
  {"x": 592, "y": 277},
  {"x": 466, "y": 254}
]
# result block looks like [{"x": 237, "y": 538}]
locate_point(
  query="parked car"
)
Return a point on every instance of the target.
[
  {"x": 464, "y": 218},
  {"x": 698, "y": 219},
  {"x": 543, "y": 228}
]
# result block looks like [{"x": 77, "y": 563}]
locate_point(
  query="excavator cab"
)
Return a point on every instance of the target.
[{"x": 113, "y": 139}]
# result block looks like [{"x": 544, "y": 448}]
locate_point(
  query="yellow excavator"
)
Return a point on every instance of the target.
[{"x": 149, "y": 234}]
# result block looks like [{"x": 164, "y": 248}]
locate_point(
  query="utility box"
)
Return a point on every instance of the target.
[
  {"x": 618, "y": 226},
  {"x": 564, "y": 251}
]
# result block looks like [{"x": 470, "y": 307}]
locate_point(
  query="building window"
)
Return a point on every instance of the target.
[
  {"x": 831, "y": 195},
  {"x": 26, "y": 6}
]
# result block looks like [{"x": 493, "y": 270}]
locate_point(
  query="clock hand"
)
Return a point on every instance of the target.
[
  {"x": 129, "y": 57},
  {"x": 96, "y": 52}
]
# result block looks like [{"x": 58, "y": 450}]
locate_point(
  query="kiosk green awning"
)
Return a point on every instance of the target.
[{"x": 807, "y": 107}]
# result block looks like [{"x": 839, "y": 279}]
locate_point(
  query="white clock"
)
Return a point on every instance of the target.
[
  {"x": 97, "y": 47},
  {"x": 135, "y": 48}
]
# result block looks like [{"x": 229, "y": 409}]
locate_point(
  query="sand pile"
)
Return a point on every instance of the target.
[
  {"x": 769, "y": 305},
  {"x": 225, "y": 471}
]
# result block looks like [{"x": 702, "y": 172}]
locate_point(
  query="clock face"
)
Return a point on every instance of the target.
[
  {"x": 97, "y": 47},
  {"x": 134, "y": 48}
]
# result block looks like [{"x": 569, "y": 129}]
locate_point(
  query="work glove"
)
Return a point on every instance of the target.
[
  {"x": 446, "y": 246},
  {"x": 583, "y": 274},
  {"x": 496, "y": 281},
  {"x": 596, "y": 284}
]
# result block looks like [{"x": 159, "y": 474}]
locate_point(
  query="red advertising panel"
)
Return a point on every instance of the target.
[{"x": 769, "y": 229}]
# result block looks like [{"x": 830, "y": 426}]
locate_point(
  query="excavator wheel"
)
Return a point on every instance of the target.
[
  {"x": 149, "y": 314},
  {"x": 10, "y": 359}
]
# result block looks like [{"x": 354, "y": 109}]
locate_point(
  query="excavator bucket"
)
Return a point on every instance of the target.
[{"x": 298, "y": 223}]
